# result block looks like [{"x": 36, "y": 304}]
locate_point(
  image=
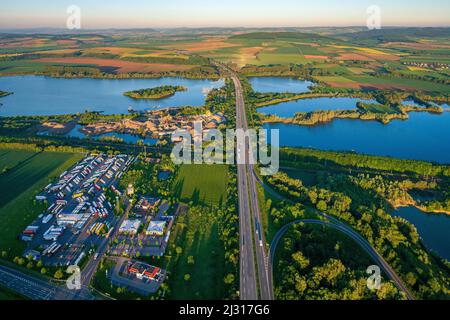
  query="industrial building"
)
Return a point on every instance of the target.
[
  {"x": 130, "y": 227},
  {"x": 156, "y": 228}
]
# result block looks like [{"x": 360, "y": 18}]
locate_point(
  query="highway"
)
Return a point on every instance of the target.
[
  {"x": 252, "y": 239},
  {"x": 37, "y": 289},
  {"x": 248, "y": 196},
  {"x": 248, "y": 287},
  {"x": 342, "y": 227}
]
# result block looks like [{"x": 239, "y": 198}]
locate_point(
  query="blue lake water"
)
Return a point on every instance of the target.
[
  {"x": 38, "y": 95},
  {"x": 280, "y": 85},
  {"x": 290, "y": 108},
  {"x": 433, "y": 229},
  {"x": 423, "y": 137},
  {"x": 129, "y": 138},
  {"x": 126, "y": 137}
]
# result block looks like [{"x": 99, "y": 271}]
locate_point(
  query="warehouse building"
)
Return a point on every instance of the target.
[
  {"x": 130, "y": 227},
  {"x": 156, "y": 228}
]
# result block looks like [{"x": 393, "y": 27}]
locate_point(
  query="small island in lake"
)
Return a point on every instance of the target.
[
  {"x": 4, "y": 94},
  {"x": 155, "y": 93}
]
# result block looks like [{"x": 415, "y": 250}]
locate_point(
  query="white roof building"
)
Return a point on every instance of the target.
[
  {"x": 156, "y": 228},
  {"x": 130, "y": 226}
]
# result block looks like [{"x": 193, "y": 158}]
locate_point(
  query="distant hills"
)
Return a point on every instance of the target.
[{"x": 397, "y": 34}]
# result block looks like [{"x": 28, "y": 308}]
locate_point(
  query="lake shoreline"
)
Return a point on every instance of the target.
[{"x": 42, "y": 95}]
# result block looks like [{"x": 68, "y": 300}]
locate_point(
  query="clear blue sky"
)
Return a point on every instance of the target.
[{"x": 203, "y": 13}]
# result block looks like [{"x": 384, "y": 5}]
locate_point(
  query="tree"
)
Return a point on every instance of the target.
[
  {"x": 300, "y": 284},
  {"x": 300, "y": 260},
  {"x": 43, "y": 271},
  {"x": 190, "y": 260},
  {"x": 229, "y": 278},
  {"x": 178, "y": 250},
  {"x": 58, "y": 274},
  {"x": 187, "y": 277},
  {"x": 322, "y": 205}
]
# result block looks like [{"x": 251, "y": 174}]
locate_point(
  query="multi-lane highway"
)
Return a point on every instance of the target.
[
  {"x": 38, "y": 289},
  {"x": 253, "y": 244},
  {"x": 248, "y": 285},
  {"x": 252, "y": 239}
]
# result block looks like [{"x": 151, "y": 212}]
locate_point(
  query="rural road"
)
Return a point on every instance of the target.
[{"x": 363, "y": 243}]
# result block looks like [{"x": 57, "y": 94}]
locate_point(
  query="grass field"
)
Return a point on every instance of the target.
[
  {"x": 370, "y": 82},
  {"x": 18, "y": 186},
  {"x": 10, "y": 158},
  {"x": 197, "y": 235},
  {"x": 204, "y": 184}
]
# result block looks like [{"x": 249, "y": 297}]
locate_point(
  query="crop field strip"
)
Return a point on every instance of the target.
[
  {"x": 202, "y": 183},
  {"x": 18, "y": 186}
]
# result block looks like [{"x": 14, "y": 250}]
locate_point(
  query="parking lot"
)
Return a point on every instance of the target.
[{"x": 79, "y": 216}]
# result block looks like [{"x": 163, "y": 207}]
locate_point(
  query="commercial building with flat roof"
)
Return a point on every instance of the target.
[
  {"x": 130, "y": 227},
  {"x": 156, "y": 228}
]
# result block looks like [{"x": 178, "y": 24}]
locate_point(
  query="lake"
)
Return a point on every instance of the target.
[
  {"x": 279, "y": 84},
  {"x": 126, "y": 137},
  {"x": 433, "y": 229},
  {"x": 423, "y": 137},
  {"x": 290, "y": 108},
  {"x": 39, "y": 95}
]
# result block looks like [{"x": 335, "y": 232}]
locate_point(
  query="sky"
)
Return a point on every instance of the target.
[{"x": 225, "y": 13}]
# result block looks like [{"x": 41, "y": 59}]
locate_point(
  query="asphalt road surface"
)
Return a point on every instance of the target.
[
  {"x": 38, "y": 289},
  {"x": 252, "y": 239}
]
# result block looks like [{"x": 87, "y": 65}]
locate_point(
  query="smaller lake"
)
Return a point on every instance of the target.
[
  {"x": 424, "y": 136},
  {"x": 279, "y": 84},
  {"x": 290, "y": 108},
  {"x": 126, "y": 137},
  {"x": 433, "y": 229}
]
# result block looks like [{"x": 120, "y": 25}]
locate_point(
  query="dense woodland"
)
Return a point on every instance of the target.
[
  {"x": 317, "y": 263},
  {"x": 364, "y": 202}
]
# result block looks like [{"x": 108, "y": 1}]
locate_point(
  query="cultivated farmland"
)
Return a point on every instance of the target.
[
  {"x": 18, "y": 186},
  {"x": 202, "y": 183}
]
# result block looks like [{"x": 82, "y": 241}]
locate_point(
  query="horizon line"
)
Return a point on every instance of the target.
[{"x": 223, "y": 27}]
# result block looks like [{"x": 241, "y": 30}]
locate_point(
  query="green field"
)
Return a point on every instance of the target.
[
  {"x": 412, "y": 83},
  {"x": 205, "y": 184},
  {"x": 10, "y": 158},
  {"x": 197, "y": 236},
  {"x": 30, "y": 174}
]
